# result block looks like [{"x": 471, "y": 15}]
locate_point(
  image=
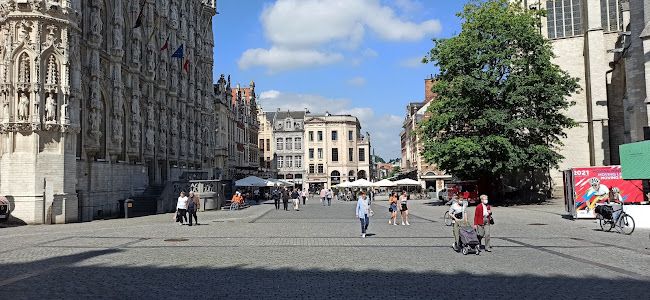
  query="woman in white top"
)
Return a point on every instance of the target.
[
  {"x": 404, "y": 207},
  {"x": 458, "y": 218},
  {"x": 181, "y": 207}
]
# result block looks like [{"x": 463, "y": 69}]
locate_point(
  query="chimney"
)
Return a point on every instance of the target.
[{"x": 428, "y": 94}]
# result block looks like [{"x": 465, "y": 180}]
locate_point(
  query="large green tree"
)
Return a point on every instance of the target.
[{"x": 500, "y": 103}]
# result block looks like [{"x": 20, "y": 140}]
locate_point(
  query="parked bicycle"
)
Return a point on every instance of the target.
[{"x": 609, "y": 218}]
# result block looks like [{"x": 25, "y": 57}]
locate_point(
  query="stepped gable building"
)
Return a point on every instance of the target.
[
  {"x": 92, "y": 101},
  {"x": 335, "y": 150},
  {"x": 288, "y": 135},
  {"x": 266, "y": 145},
  {"x": 244, "y": 152}
]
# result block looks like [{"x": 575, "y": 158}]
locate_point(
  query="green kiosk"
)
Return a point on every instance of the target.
[{"x": 635, "y": 164}]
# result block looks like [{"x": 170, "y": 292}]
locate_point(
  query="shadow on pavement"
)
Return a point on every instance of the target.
[{"x": 98, "y": 281}]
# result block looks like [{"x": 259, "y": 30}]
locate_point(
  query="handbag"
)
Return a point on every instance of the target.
[
  {"x": 372, "y": 213},
  {"x": 491, "y": 220},
  {"x": 390, "y": 209}
]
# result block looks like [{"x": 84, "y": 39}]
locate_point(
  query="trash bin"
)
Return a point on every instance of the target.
[
  {"x": 128, "y": 208},
  {"x": 4, "y": 209}
]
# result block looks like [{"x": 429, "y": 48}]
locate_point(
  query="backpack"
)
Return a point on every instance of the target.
[{"x": 607, "y": 211}]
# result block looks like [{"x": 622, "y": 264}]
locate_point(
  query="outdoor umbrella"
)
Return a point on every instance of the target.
[
  {"x": 406, "y": 181},
  {"x": 361, "y": 183},
  {"x": 345, "y": 184},
  {"x": 384, "y": 183},
  {"x": 251, "y": 181}
]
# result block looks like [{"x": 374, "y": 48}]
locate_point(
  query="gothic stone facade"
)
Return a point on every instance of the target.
[{"x": 88, "y": 100}]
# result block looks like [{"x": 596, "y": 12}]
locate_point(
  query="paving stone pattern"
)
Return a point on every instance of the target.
[{"x": 318, "y": 253}]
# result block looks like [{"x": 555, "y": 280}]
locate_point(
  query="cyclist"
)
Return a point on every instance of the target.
[{"x": 597, "y": 191}]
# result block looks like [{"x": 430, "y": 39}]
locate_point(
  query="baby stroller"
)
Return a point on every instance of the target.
[{"x": 468, "y": 240}]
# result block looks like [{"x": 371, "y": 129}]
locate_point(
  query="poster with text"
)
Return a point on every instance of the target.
[{"x": 595, "y": 185}]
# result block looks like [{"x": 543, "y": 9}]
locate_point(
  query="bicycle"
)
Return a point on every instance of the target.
[
  {"x": 447, "y": 219},
  {"x": 623, "y": 222},
  {"x": 234, "y": 206}
]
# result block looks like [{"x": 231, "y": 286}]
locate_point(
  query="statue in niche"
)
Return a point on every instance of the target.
[
  {"x": 52, "y": 71},
  {"x": 117, "y": 38},
  {"x": 149, "y": 139},
  {"x": 95, "y": 101},
  {"x": 23, "y": 106},
  {"x": 5, "y": 105},
  {"x": 95, "y": 22},
  {"x": 24, "y": 70},
  {"x": 23, "y": 33},
  {"x": 117, "y": 130},
  {"x": 95, "y": 123},
  {"x": 50, "y": 107},
  {"x": 135, "y": 134},
  {"x": 150, "y": 116},
  {"x": 174, "y": 124},
  {"x": 135, "y": 109},
  {"x": 151, "y": 60},
  {"x": 50, "y": 38},
  {"x": 174, "y": 81},
  {"x": 163, "y": 120},
  {"x": 174, "y": 144},
  {"x": 136, "y": 51},
  {"x": 173, "y": 15},
  {"x": 163, "y": 140},
  {"x": 183, "y": 90},
  {"x": 163, "y": 71},
  {"x": 183, "y": 30}
]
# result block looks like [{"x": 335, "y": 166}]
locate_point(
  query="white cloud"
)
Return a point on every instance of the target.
[
  {"x": 282, "y": 59},
  {"x": 384, "y": 129},
  {"x": 408, "y": 7},
  {"x": 308, "y": 27},
  {"x": 357, "y": 81},
  {"x": 412, "y": 62}
]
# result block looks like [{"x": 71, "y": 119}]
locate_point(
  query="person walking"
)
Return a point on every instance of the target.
[
  {"x": 404, "y": 207},
  {"x": 482, "y": 220},
  {"x": 363, "y": 213},
  {"x": 323, "y": 195},
  {"x": 285, "y": 198},
  {"x": 336, "y": 194},
  {"x": 392, "y": 203},
  {"x": 458, "y": 218},
  {"x": 328, "y": 194},
  {"x": 295, "y": 197},
  {"x": 276, "y": 198},
  {"x": 193, "y": 205},
  {"x": 181, "y": 206},
  {"x": 304, "y": 196}
]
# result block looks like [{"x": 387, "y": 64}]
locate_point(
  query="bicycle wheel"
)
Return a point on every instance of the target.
[
  {"x": 605, "y": 225},
  {"x": 625, "y": 224},
  {"x": 447, "y": 219},
  {"x": 233, "y": 206}
]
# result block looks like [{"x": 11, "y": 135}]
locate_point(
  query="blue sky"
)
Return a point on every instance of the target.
[{"x": 358, "y": 57}]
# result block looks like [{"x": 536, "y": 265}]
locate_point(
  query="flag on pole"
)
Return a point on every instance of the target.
[
  {"x": 165, "y": 45},
  {"x": 187, "y": 61},
  {"x": 138, "y": 22},
  {"x": 179, "y": 52},
  {"x": 155, "y": 28}
]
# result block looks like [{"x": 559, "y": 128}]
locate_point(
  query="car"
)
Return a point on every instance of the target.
[{"x": 443, "y": 195}]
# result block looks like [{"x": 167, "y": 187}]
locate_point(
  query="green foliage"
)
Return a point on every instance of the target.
[
  {"x": 500, "y": 99},
  {"x": 395, "y": 170},
  {"x": 378, "y": 159}
]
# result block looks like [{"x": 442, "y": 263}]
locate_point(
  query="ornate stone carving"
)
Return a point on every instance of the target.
[
  {"x": 24, "y": 68},
  {"x": 151, "y": 60},
  {"x": 50, "y": 107},
  {"x": 117, "y": 131},
  {"x": 136, "y": 51},
  {"x": 150, "y": 115},
  {"x": 135, "y": 135},
  {"x": 162, "y": 140},
  {"x": 23, "y": 106},
  {"x": 173, "y": 16},
  {"x": 149, "y": 139},
  {"x": 24, "y": 35},
  {"x": 52, "y": 76},
  {"x": 117, "y": 41},
  {"x": 95, "y": 25}
]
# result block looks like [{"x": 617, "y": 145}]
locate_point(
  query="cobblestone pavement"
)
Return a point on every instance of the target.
[{"x": 317, "y": 253}]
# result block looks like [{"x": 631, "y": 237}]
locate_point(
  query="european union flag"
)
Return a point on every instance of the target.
[{"x": 179, "y": 52}]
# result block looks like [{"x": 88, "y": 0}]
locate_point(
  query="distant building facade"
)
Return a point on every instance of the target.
[
  {"x": 335, "y": 150},
  {"x": 289, "y": 145},
  {"x": 413, "y": 164}
]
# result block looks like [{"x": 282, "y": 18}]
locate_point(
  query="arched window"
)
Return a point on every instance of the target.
[
  {"x": 351, "y": 175},
  {"x": 335, "y": 177},
  {"x": 361, "y": 174}
]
